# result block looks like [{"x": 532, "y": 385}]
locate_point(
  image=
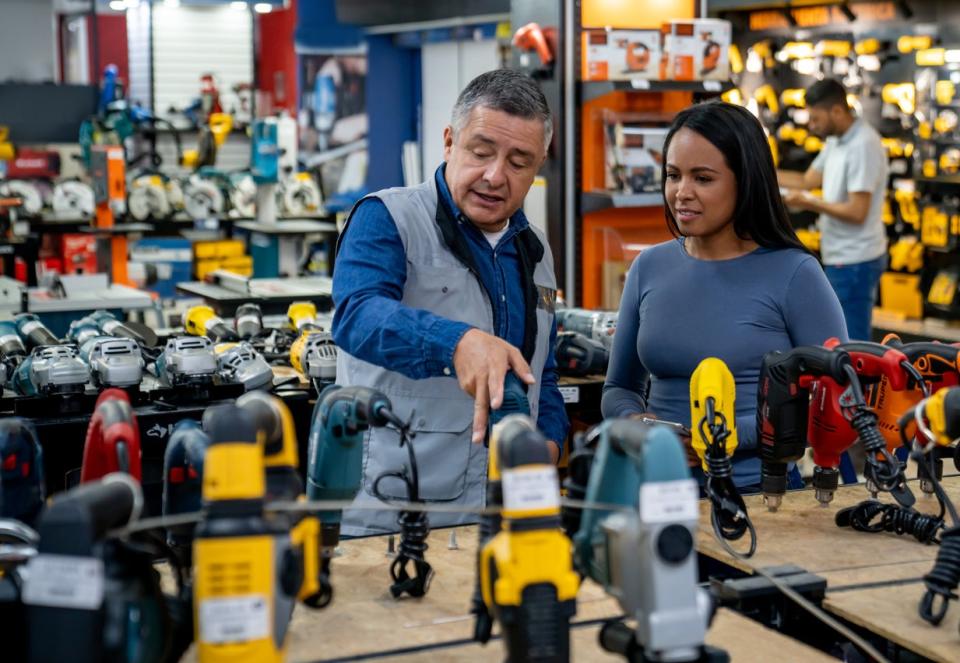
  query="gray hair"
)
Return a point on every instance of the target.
[{"x": 504, "y": 90}]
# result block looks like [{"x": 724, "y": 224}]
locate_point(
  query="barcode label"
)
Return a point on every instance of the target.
[
  {"x": 531, "y": 489},
  {"x": 570, "y": 394},
  {"x": 236, "y": 619},
  {"x": 64, "y": 581},
  {"x": 669, "y": 501}
]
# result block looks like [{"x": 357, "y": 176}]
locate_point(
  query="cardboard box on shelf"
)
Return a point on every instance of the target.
[
  {"x": 618, "y": 55},
  {"x": 612, "y": 281},
  {"x": 696, "y": 49},
  {"x": 633, "y": 153}
]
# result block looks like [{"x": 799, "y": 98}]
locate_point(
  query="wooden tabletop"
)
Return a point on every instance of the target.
[
  {"x": 364, "y": 619},
  {"x": 873, "y": 580}
]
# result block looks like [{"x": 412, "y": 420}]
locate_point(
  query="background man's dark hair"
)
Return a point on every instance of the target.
[{"x": 828, "y": 92}]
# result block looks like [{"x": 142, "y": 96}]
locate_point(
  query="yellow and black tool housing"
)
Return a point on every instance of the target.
[
  {"x": 942, "y": 411},
  {"x": 712, "y": 380},
  {"x": 526, "y": 570},
  {"x": 234, "y": 550},
  {"x": 302, "y": 316}
]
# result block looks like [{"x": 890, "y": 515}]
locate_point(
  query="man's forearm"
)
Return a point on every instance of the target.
[
  {"x": 848, "y": 211},
  {"x": 791, "y": 179}
]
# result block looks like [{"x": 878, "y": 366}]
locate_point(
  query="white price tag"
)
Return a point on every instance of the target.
[
  {"x": 531, "y": 489},
  {"x": 64, "y": 581},
  {"x": 669, "y": 501},
  {"x": 712, "y": 86},
  {"x": 570, "y": 394},
  {"x": 235, "y": 619},
  {"x": 640, "y": 84}
]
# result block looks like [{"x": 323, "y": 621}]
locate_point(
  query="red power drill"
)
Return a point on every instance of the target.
[
  {"x": 831, "y": 412},
  {"x": 938, "y": 364},
  {"x": 113, "y": 438},
  {"x": 783, "y": 401}
]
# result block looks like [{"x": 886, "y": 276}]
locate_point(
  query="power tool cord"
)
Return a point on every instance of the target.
[
  {"x": 728, "y": 512},
  {"x": 886, "y": 474},
  {"x": 414, "y": 527}
]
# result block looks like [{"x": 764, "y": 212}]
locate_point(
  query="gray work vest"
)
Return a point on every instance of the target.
[{"x": 452, "y": 469}]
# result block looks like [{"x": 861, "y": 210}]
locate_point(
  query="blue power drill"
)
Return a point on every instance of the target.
[
  {"x": 21, "y": 471},
  {"x": 334, "y": 470},
  {"x": 183, "y": 483}
]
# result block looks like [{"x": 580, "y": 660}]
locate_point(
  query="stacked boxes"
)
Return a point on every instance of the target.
[
  {"x": 228, "y": 254},
  {"x": 690, "y": 50}
]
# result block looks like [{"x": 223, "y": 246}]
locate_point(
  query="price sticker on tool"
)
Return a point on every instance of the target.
[
  {"x": 64, "y": 581},
  {"x": 669, "y": 501},
  {"x": 531, "y": 489},
  {"x": 234, "y": 619},
  {"x": 570, "y": 394}
]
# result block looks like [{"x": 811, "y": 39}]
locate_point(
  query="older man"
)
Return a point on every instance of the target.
[{"x": 444, "y": 287}]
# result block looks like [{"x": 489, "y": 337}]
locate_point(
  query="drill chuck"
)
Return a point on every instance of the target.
[
  {"x": 825, "y": 482},
  {"x": 33, "y": 332},
  {"x": 249, "y": 321}
]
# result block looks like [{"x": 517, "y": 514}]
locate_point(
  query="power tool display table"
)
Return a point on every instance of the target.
[
  {"x": 364, "y": 622},
  {"x": 873, "y": 580}
]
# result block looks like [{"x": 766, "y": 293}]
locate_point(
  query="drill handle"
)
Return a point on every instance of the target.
[
  {"x": 815, "y": 361},
  {"x": 932, "y": 360}
]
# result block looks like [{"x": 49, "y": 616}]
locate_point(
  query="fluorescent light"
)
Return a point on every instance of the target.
[
  {"x": 118, "y": 5},
  {"x": 171, "y": 3},
  {"x": 263, "y": 8},
  {"x": 239, "y": 5},
  {"x": 132, "y": 4}
]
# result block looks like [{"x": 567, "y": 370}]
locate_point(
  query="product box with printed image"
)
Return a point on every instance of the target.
[
  {"x": 618, "y": 55},
  {"x": 633, "y": 152},
  {"x": 696, "y": 49}
]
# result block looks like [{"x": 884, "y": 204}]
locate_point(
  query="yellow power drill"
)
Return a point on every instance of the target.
[
  {"x": 202, "y": 321},
  {"x": 302, "y": 316},
  {"x": 526, "y": 570},
  {"x": 248, "y": 571},
  {"x": 713, "y": 412}
]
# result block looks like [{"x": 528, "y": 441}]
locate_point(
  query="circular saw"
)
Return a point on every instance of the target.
[{"x": 73, "y": 198}]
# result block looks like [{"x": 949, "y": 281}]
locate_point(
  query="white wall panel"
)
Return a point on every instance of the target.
[
  {"x": 138, "y": 55},
  {"x": 446, "y": 68},
  {"x": 27, "y": 41},
  {"x": 191, "y": 41}
]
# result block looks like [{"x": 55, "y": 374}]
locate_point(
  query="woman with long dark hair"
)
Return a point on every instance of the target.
[{"x": 736, "y": 282}]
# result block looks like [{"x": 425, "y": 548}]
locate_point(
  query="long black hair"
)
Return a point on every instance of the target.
[{"x": 760, "y": 214}]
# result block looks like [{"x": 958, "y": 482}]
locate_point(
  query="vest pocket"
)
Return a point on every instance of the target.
[{"x": 442, "y": 448}]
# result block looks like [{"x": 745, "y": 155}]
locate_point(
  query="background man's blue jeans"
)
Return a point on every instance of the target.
[{"x": 856, "y": 288}]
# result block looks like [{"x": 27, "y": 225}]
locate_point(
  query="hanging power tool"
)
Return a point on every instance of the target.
[
  {"x": 248, "y": 321},
  {"x": 73, "y": 199},
  {"x": 21, "y": 471},
  {"x": 341, "y": 419},
  {"x": 240, "y": 363},
  {"x": 113, "y": 362},
  {"x": 783, "y": 403},
  {"x": 187, "y": 360},
  {"x": 202, "y": 321},
  {"x": 182, "y": 483},
  {"x": 99, "y": 597},
  {"x": 578, "y": 355},
  {"x": 713, "y": 413},
  {"x": 525, "y": 571},
  {"x": 837, "y": 420},
  {"x": 302, "y": 316},
  {"x": 51, "y": 369},
  {"x": 246, "y": 619},
  {"x": 33, "y": 332},
  {"x": 113, "y": 439},
  {"x": 645, "y": 557},
  {"x": 515, "y": 402}
]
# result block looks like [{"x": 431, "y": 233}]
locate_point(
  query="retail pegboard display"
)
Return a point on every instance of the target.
[{"x": 900, "y": 62}]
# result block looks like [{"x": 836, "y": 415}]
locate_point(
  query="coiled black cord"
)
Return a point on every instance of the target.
[
  {"x": 882, "y": 468},
  {"x": 414, "y": 530},
  {"x": 892, "y": 518},
  {"x": 728, "y": 512},
  {"x": 943, "y": 578}
]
